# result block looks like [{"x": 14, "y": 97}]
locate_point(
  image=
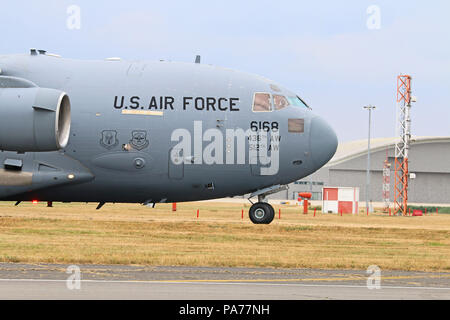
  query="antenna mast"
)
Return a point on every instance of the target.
[{"x": 402, "y": 145}]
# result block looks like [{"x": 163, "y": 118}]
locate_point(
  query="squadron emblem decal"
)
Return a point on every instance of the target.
[
  {"x": 139, "y": 139},
  {"x": 109, "y": 139}
]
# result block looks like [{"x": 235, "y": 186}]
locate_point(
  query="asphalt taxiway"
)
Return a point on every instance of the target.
[{"x": 48, "y": 281}]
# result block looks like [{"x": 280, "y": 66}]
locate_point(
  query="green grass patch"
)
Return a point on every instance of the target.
[{"x": 431, "y": 210}]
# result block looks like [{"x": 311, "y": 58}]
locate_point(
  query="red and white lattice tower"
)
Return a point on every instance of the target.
[
  {"x": 386, "y": 185},
  {"x": 401, "y": 170}
]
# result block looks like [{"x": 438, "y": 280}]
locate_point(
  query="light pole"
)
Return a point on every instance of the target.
[{"x": 370, "y": 108}]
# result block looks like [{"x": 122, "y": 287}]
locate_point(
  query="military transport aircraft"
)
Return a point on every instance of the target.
[{"x": 150, "y": 132}]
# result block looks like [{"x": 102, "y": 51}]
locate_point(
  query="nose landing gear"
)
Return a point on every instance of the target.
[{"x": 261, "y": 213}]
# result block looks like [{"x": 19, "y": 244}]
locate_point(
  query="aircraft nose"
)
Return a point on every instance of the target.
[{"x": 323, "y": 142}]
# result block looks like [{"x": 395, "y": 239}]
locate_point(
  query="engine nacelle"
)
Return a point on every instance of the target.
[{"x": 34, "y": 119}]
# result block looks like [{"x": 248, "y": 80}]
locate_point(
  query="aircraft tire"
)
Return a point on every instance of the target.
[
  {"x": 261, "y": 213},
  {"x": 272, "y": 214}
]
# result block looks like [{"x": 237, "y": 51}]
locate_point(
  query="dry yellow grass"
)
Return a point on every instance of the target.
[{"x": 133, "y": 234}]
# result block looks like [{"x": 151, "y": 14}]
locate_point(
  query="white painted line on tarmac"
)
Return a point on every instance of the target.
[{"x": 224, "y": 283}]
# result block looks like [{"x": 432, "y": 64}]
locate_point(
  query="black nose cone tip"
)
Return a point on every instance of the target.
[{"x": 323, "y": 142}]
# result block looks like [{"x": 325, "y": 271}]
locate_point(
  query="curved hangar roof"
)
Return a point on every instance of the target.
[{"x": 350, "y": 150}]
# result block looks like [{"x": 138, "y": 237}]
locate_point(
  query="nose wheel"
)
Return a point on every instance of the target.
[{"x": 261, "y": 213}]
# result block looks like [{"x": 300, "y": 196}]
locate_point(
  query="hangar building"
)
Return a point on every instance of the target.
[{"x": 429, "y": 166}]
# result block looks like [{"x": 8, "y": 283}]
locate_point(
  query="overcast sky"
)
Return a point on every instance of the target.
[{"x": 334, "y": 54}]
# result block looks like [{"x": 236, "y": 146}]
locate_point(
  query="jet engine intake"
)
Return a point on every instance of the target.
[{"x": 34, "y": 119}]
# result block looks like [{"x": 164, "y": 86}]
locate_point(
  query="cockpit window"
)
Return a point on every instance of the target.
[
  {"x": 296, "y": 101},
  {"x": 261, "y": 102},
  {"x": 280, "y": 102}
]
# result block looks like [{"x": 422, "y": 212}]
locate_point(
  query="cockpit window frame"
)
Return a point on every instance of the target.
[
  {"x": 293, "y": 102},
  {"x": 275, "y": 105},
  {"x": 270, "y": 102}
]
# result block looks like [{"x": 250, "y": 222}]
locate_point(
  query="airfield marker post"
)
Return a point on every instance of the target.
[
  {"x": 315, "y": 211},
  {"x": 198, "y": 213},
  {"x": 174, "y": 206},
  {"x": 242, "y": 215},
  {"x": 279, "y": 213}
]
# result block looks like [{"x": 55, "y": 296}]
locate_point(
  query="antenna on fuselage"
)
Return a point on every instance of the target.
[{"x": 100, "y": 205}]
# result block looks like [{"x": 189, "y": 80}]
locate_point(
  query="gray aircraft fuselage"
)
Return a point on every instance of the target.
[{"x": 123, "y": 116}]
